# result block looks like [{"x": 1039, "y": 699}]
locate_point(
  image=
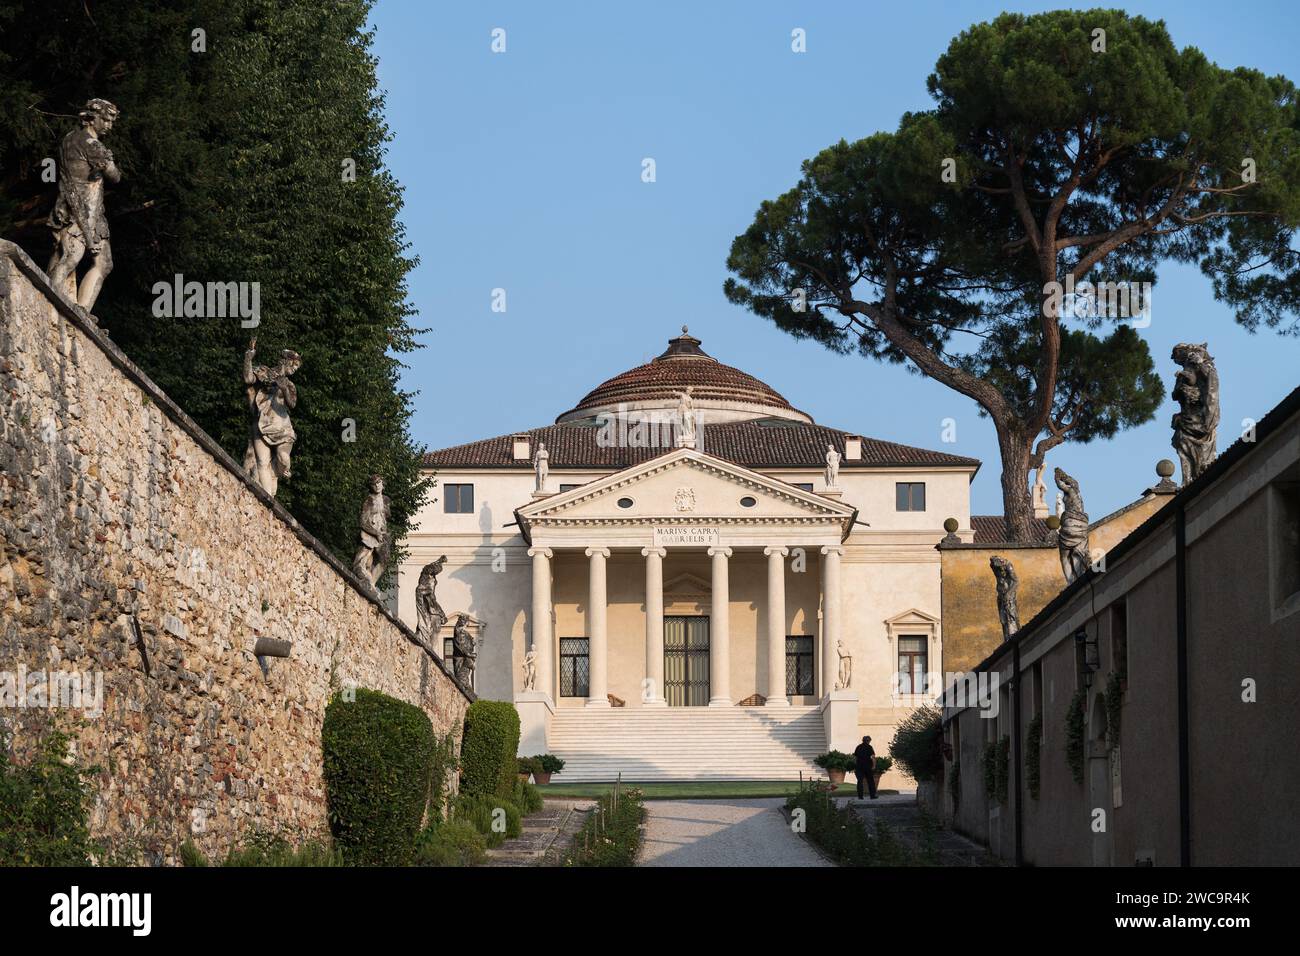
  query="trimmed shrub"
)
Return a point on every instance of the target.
[
  {"x": 450, "y": 843},
  {"x": 917, "y": 744},
  {"x": 550, "y": 763},
  {"x": 527, "y": 798},
  {"x": 841, "y": 833},
  {"x": 44, "y": 808},
  {"x": 488, "y": 765},
  {"x": 379, "y": 756}
]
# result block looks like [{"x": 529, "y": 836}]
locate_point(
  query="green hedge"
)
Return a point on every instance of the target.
[
  {"x": 379, "y": 755},
  {"x": 487, "y": 753},
  {"x": 481, "y": 812},
  {"x": 450, "y": 843},
  {"x": 918, "y": 744},
  {"x": 611, "y": 835},
  {"x": 45, "y": 807},
  {"x": 841, "y": 832}
]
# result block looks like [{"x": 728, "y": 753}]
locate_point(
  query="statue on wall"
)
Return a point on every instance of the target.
[
  {"x": 686, "y": 419},
  {"x": 1072, "y": 538},
  {"x": 541, "y": 463},
  {"x": 464, "y": 653},
  {"x": 530, "y": 668},
  {"x": 1196, "y": 423},
  {"x": 1040, "y": 492},
  {"x": 375, "y": 542},
  {"x": 832, "y": 467},
  {"x": 271, "y": 394},
  {"x": 846, "y": 667},
  {"x": 429, "y": 614},
  {"x": 1008, "y": 593},
  {"x": 78, "y": 219}
]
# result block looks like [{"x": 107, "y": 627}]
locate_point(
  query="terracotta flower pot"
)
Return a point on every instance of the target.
[
  {"x": 877, "y": 775},
  {"x": 836, "y": 777},
  {"x": 541, "y": 778}
]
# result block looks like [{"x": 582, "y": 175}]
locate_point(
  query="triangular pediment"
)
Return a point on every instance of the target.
[
  {"x": 687, "y": 585},
  {"x": 912, "y": 618},
  {"x": 686, "y": 485}
]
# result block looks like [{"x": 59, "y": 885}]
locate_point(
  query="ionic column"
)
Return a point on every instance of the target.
[
  {"x": 597, "y": 687},
  {"x": 776, "y": 696},
  {"x": 653, "y": 695},
  {"x": 541, "y": 638},
  {"x": 720, "y": 632},
  {"x": 830, "y": 615}
]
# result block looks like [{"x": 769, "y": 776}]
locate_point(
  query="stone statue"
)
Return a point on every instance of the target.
[
  {"x": 686, "y": 420},
  {"x": 1072, "y": 539},
  {"x": 530, "y": 668},
  {"x": 375, "y": 542},
  {"x": 846, "y": 667},
  {"x": 78, "y": 219},
  {"x": 271, "y": 394},
  {"x": 1060, "y": 504},
  {"x": 1196, "y": 423},
  {"x": 832, "y": 467},
  {"x": 1008, "y": 587},
  {"x": 1040, "y": 492},
  {"x": 541, "y": 462},
  {"x": 464, "y": 653},
  {"x": 429, "y": 614}
]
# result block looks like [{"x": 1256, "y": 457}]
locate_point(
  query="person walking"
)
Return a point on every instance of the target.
[{"x": 865, "y": 766}]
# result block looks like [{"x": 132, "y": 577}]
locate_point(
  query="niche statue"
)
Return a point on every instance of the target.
[
  {"x": 78, "y": 219},
  {"x": 271, "y": 394},
  {"x": 1196, "y": 423},
  {"x": 1072, "y": 539},
  {"x": 1008, "y": 593},
  {"x": 375, "y": 542}
]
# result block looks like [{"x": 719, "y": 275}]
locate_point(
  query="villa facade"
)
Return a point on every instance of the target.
[{"x": 704, "y": 593}]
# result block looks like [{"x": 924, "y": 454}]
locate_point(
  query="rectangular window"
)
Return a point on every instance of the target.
[
  {"x": 912, "y": 665},
  {"x": 458, "y": 499},
  {"x": 1119, "y": 637},
  {"x": 800, "y": 678},
  {"x": 909, "y": 495},
  {"x": 804, "y": 485},
  {"x": 575, "y": 667},
  {"x": 564, "y": 488}
]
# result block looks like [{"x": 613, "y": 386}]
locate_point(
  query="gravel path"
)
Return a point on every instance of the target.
[{"x": 722, "y": 833}]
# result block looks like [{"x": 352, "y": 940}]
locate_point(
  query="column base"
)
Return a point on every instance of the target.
[
  {"x": 598, "y": 702},
  {"x": 777, "y": 702},
  {"x": 654, "y": 702},
  {"x": 720, "y": 702}
]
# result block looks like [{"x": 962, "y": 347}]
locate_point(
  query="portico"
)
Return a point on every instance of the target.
[{"x": 637, "y": 517}]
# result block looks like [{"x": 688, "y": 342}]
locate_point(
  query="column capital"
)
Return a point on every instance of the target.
[
  {"x": 725, "y": 552},
  {"x": 776, "y": 549},
  {"x": 545, "y": 552},
  {"x": 660, "y": 552},
  {"x": 592, "y": 552},
  {"x": 833, "y": 549}
]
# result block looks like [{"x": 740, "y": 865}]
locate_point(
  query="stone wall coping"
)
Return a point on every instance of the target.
[{"x": 86, "y": 324}]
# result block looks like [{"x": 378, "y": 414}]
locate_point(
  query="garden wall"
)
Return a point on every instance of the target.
[{"x": 135, "y": 552}]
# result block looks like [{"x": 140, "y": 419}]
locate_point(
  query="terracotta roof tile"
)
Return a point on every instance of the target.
[
  {"x": 992, "y": 529},
  {"x": 762, "y": 443}
]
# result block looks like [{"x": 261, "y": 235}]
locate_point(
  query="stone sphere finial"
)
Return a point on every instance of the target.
[
  {"x": 685, "y": 330},
  {"x": 1053, "y": 523},
  {"x": 1165, "y": 468},
  {"x": 950, "y": 525}
]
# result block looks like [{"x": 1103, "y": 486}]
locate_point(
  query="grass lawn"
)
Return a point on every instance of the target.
[{"x": 691, "y": 790}]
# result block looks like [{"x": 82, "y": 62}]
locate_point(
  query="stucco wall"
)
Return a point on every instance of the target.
[{"x": 114, "y": 509}]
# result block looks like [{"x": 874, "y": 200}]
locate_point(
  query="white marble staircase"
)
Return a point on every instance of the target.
[{"x": 686, "y": 743}]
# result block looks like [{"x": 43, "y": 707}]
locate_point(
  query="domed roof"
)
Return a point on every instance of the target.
[{"x": 723, "y": 393}]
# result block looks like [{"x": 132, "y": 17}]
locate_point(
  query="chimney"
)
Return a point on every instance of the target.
[
  {"x": 522, "y": 448},
  {"x": 852, "y": 448}
]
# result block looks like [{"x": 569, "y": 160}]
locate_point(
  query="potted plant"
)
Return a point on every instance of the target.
[
  {"x": 546, "y": 764},
  {"x": 528, "y": 767},
  {"x": 882, "y": 767},
  {"x": 836, "y": 764}
]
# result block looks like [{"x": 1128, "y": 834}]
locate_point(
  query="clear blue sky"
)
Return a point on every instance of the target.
[{"x": 522, "y": 171}]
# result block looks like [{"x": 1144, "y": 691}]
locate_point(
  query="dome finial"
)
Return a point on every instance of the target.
[{"x": 685, "y": 330}]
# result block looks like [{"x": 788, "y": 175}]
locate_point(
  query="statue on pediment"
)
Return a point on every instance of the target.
[{"x": 686, "y": 419}]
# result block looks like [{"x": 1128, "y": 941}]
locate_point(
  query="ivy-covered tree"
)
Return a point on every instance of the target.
[
  {"x": 1064, "y": 147},
  {"x": 251, "y": 145}
]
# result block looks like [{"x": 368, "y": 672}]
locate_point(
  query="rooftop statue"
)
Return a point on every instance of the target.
[
  {"x": 271, "y": 395},
  {"x": 1196, "y": 423},
  {"x": 1072, "y": 539},
  {"x": 78, "y": 219},
  {"x": 541, "y": 463},
  {"x": 375, "y": 540},
  {"x": 1008, "y": 595},
  {"x": 832, "y": 467},
  {"x": 686, "y": 419}
]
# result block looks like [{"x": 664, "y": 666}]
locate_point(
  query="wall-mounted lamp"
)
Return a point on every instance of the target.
[{"x": 1088, "y": 653}]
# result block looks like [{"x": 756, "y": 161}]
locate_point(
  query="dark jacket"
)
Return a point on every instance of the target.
[{"x": 865, "y": 757}]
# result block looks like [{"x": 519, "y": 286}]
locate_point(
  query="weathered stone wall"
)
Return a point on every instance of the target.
[{"x": 116, "y": 513}]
